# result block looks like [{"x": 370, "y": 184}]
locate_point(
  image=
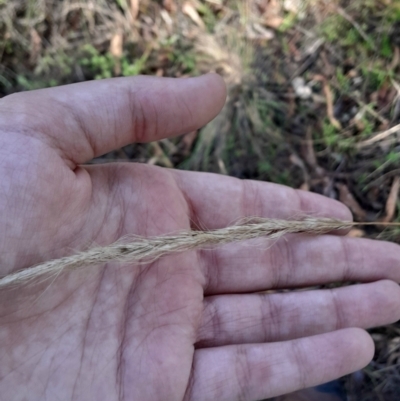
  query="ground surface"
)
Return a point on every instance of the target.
[{"x": 314, "y": 97}]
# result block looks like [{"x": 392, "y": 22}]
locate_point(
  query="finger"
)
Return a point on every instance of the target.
[
  {"x": 298, "y": 260},
  {"x": 89, "y": 119},
  {"x": 258, "y": 371},
  {"x": 257, "y": 318},
  {"x": 218, "y": 201}
]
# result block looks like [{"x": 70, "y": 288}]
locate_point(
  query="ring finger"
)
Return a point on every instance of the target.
[{"x": 259, "y": 318}]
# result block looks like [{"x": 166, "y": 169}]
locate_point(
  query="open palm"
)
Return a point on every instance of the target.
[{"x": 191, "y": 326}]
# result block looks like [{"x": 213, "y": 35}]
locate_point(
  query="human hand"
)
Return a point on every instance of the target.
[{"x": 190, "y": 326}]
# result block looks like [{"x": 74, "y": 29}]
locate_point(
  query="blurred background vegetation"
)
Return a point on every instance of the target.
[{"x": 314, "y": 97}]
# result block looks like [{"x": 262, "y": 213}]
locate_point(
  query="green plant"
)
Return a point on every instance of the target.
[
  {"x": 33, "y": 84},
  {"x": 330, "y": 134},
  {"x": 362, "y": 178},
  {"x": 185, "y": 59},
  {"x": 264, "y": 167},
  {"x": 100, "y": 65},
  {"x": 289, "y": 20},
  {"x": 332, "y": 27},
  {"x": 208, "y": 16},
  {"x": 283, "y": 178},
  {"x": 393, "y": 157},
  {"x": 386, "y": 47},
  {"x": 333, "y": 138},
  {"x": 352, "y": 37},
  {"x": 377, "y": 164},
  {"x": 342, "y": 80},
  {"x": 57, "y": 63},
  {"x": 122, "y": 4},
  {"x": 135, "y": 67},
  {"x": 368, "y": 127},
  {"x": 5, "y": 82},
  {"x": 375, "y": 75}
]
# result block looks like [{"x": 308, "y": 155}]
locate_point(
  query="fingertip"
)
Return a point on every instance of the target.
[
  {"x": 323, "y": 206},
  {"x": 217, "y": 84},
  {"x": 389, "y": 296},
  {"x": 343, "y": 212},
  {"x": 362, "y": 347},
  {"x": 318, "y": 205},
  {"x": 216, "y": 88}
]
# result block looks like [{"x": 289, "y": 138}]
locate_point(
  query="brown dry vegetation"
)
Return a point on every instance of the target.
[{"x": 314, "y": 96}]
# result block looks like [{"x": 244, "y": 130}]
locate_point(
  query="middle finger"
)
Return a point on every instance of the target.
[{"x": 297, "y": 261}]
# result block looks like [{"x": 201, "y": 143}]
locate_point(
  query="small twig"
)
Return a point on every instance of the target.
[
  {"x": 379, "y": 137},
  {"x": 391, "y": 203},
  {"x": 368, "y": 109},
  {"x": 381, "y": 179},
  {"x": 329, "y": 102},
  {"x": 311, "y": 55},
  {"x": 329, "y": 106},
  {"x": 159, "y": 156}
]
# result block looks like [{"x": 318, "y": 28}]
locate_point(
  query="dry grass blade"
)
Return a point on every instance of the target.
[
  {"x": 379, "y": 137},
  {"x": 189, "y": 9},
  {"x": 346, "y": 197},
  {"x": 144, "y": 250},
  {"x": 392, "y": 200},
  {"x": 116, "y": 50},
  {"x": 329, "y": 101},
  {"x": 329, "y": 106},
  {"x": 134, "y": 8}
]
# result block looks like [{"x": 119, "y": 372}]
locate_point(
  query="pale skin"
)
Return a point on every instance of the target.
[{"x": 189, "y": 327}]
